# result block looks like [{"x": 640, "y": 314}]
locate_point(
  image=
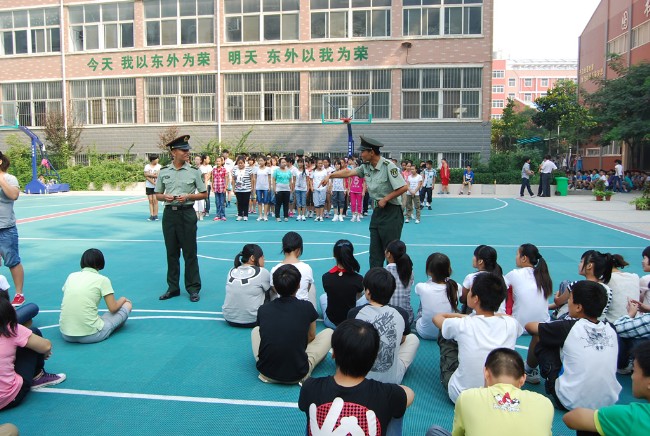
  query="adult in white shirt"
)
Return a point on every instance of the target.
[
  {"x": 547, "y": 167},
  {"x": 151, "y": 171}
]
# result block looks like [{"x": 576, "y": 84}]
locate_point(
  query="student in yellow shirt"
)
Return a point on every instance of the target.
[{"x": 501, "y": 407}]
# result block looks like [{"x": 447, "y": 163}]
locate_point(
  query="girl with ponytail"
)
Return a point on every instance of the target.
[
  {"x": 529, "y": 286},
  {"x": 401, "y": 267},
  {"x": 624, "y": 286},
  {"x": 439, "y": 294},
  {"x": 247, "y": 287},
  {"x": 343, "y": 285},
  {"x": 484, "y": 260}
]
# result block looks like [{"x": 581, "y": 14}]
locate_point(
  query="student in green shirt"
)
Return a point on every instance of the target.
[{"x": 624, "y": 420}]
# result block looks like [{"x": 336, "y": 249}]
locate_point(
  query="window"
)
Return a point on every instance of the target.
[
  {"x": 497, "y": 103},
  {"x": 528, "y": 82},
  {"x": 441, "y": 93},
  {"x": 172, "y": 99},
  {"x": 496, "y": 116},
  {"x": 101, "y": 27},
  {"x": 512, "y": 82},
  {"x": 511, "y": 95},
  {"x": 613, "y": 149},
  {"x": 497, "y": 89},
  {"x": 349, "y": 18},
  {"x": 617, "y": 45},
  {"x": 30, "y": 31},
  {"x": 33, "y": 101},
  {"x": 528, "y": 97},
  {"x": 107, "y": 101},
  {"x": 498, "y": 74},
  {"x": 437, "y": 17},
  {"x": 269, "y": 20},
  {"x": 179, "y": 22},
  {"x": 375, "y": 83},
  {"x": 544, "y": 83},
  {"x": 262, "y": 96},
  {"x": 641, "y": 35}
]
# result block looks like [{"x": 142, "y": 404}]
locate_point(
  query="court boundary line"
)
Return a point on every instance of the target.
[
  {"x": 588, "y": 219},
  {"x": 179, "y": 398},
  {"x": 77, "y": 211}
]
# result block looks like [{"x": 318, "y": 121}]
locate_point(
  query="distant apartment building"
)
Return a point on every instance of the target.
[
  {"x": 525, "y": 80},
  {"x": 621, "y": 28},
  {"x": 128, "y": 69}
]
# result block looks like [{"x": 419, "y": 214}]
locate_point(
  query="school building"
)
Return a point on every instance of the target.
[
  {"x": 525, "y": 80},
  {"x": 271, "y": 69},
  {"x": 621, "y": 28}
]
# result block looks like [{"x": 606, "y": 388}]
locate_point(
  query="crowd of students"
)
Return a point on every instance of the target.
[
  {"x": 629, "y": 181},
  {"x": 598, "y": 326}
]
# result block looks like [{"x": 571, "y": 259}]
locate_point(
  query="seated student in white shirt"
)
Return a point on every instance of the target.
[
  {"x": 475, "y": 335},
  {"x": 577, "y": 356},
  {"x": 501, "y": 407}
]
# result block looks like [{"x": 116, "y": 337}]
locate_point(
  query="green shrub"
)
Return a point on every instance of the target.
[{"x": 113, "y": 173}]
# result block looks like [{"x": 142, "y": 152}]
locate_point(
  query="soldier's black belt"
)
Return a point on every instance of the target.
[{"x": 185, "y": 206}]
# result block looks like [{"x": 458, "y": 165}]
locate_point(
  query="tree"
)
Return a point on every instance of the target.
[
  {"x": 621, "y": 108},
  {"x": 64, "y": 141},
  {"x": 168, "y": 135},
  {"x": 560, "y": 111},
  {"x": 513, "y": 125}
]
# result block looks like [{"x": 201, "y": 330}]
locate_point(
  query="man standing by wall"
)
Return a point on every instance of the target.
[
  {"x": 385, "y": 185},
  {"x": 546, "y": 168},
  {"x": 179, "y": 185}
]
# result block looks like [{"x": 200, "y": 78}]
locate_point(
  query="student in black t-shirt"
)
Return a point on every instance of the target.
[
  {"x": 348, "y": 401},
  {"x": 285, "y": 345}
]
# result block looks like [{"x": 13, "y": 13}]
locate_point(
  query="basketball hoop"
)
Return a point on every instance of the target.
[{"x": 346, "y": 120}]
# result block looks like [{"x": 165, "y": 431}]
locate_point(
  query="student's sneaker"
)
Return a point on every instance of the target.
[
  {"x": 238, "y": 218},
  {"x": 417, "y": 221},
  {"x": 46, "y": 379},
  {"x": 533, "y": 376},
  {"x": 286, "y": 219},
  {"x": 245, "y": 218},
  {"x": 627, "y": 370},
  {"x": 260, "y": 219},
  {"x": 429, "y": 207},
  {"x": 224, "y": 219},
  {"x": 336, "y": 218},
  {"x": 278, "y": 219},
  {"x": 150, "y": 218},
  {"x": 460, "y": 193},
  {"x": 406, "y": 220},
  {"x": 18, "y": 300},
  {"x": 155, "y": 217},
  {"x": 266, "y": 218}
]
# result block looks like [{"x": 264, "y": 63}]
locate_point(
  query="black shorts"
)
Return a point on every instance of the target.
[{"x": 149, "y": 191}]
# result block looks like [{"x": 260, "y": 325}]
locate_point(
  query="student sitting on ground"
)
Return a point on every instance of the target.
[
  {"x": 285, "y": 344},
  {"x": 577, "y": 356},
  {"x": 501, "y": 407},
  {"x": 398, "y": 344},
  {"x": 632, "y": 329},
  {"x": 22, "y": 359},
  {"x": 348, "y": 402},
  {"x": 247, "y": 287},
  {"x": 80, "y": 321},
  {"x": 24, "y": 313},
  {"x": 620, "y": 420},
  {"x": 461, "y": 362}
]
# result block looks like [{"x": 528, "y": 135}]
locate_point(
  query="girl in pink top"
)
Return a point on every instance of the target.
[
  {"x": 357, "y": 187},
  {"x": 22, "y": 359}
]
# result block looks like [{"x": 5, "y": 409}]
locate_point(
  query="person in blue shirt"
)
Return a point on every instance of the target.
[{"x": 468, "y": 180}]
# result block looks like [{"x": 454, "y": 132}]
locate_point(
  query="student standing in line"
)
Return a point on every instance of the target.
[
  {"x": 242, "y": 177},
  {"x": 357, "y": 188},
  {"x": 302, "y": 186},
  {"x": 220, "y": 182},
  {"x": 337, "y": 192},
  {"x": 319, "y": 178},
  {"x": 282, "y": 184},
  {"x": 445, "y": 175},
  {"x": 412, "y": 196},
  {"x": 262, "y": 187},
  {"x": 429, "y": 173},
  {"x": 229, "y": 165},
  {"x": 206, "y": 171},
  {"x": 151, "y": 171}
]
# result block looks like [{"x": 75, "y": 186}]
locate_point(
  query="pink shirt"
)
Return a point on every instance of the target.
[
  {"x": 356, "y": 184},
  {"x": 10, "y": 382}
]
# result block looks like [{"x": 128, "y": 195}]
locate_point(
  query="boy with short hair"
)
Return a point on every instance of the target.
[
  {"x": 620, "y": 420},
  {"x": 285, "y": 345},
  {"x": 476, "y": 335},
  {"x": 501, "y": 407},
  {"x": 429, "y": 174},
  {"x": 578, "y": 356},
  {"x": 468, "y": 180},
  {"x": 349, "y": 401},
  {"x": 398, "y": 344}
]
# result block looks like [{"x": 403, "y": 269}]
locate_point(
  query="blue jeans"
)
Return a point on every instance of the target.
[
  {"x": 220, "y": 204},
  {"x": 263, "y": 196},
  {"x": 207, "y": 200},
  {"x": 301, "y": 198},
  {"x": 9, "y": 246}
]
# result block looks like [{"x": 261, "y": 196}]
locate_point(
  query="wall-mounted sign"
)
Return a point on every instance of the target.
[
  {"x": 293, "y": 56},
  {"x": 155, "y": 61}
]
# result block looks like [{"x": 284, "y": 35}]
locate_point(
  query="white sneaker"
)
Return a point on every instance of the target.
[
  {"x": 260, "y": 219},
  {"x": 245, "y": 218},
  {"x": 406, "y": 220},
  {"x": 533, "y": 376},
  {"x": 266, "y": 219},
  {"x": 238, "y": 218},
  {"x": 417, "y": 221},
  {"x": 336, "y": 218}
]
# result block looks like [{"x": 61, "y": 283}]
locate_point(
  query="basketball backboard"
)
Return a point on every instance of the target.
[
  {"x": 9, "y": 115},
  {"x": 346, "y": 109}
]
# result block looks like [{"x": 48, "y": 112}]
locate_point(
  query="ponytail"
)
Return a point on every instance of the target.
[
  {"x": 245, "y": 254},
  {"x": 603, "y": 264},
  {"x": 489, "y": 257},
  {"x": 438, "y": 266},
  {"x": 542, "y": 276},
  {"x": 619, "y": 261},
  {"x": 397, "y": 249},
  {"x": 344, "y": 255}
]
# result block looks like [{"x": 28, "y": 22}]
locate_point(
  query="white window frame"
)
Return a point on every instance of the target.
[
  {"x": 496, "y": 116},
  {"x": 528, "y": 97},
  {"x": 156, "y": 22},
  {"x": 88, "y": 97},
  {"x": 416, "y": 15},
  {"x": 262, "y": 96},
  {"x": 39, "y": 29},
  {"x": 641, "y": 35},
  {"x": 375, "y": 11},
  {"x": 528, "y": 82},
  {"x": 498, "y": 104},
  {"x": 498, "y": 74},
  {"x": 29, "y": 97},
  {"x": 618, "y": 45},
  {"x": 544, "y": 82},
  {"x": 238, "y": 19},
  {"x": 186, "y": 99},
  {"x": 89, "y": 26},
  {"x": 512, "y": 82},
  {"x": 497, "y": 89}
]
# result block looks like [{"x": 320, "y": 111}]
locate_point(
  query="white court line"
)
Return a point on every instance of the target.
[
  {"x": 285, "y": 231},
  {"x": 521, "y": 347},
  {"x": 194, "y": 318},
  {"x": 469, "y": 212},
  {"x": 180, "y": 398},
  {"x": 50, "y": 205},
  {"x": 317, "y": 259},
  {"x": 149, "y": 311}
]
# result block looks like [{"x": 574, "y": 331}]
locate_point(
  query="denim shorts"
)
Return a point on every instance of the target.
[
  {"x": 9, "y": 246},
  {"x": 263, "y": 196},
  {"x": 319, "y": 197},
  {"x": 301, "y": 198},
  {"x": 338, "y": 199}
]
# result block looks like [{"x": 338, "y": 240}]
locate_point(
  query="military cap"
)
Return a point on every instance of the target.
[
  {"x": 369, "y": 144},
  {"x": 180, "y": 143},
  {"x": 300, "y": 152}
]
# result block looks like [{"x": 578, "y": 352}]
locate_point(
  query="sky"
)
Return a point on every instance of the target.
[{"x": 540, "y": 29}]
